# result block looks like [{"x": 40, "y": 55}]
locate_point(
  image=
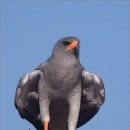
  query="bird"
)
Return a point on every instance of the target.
[{"x": 60, "y": 94}]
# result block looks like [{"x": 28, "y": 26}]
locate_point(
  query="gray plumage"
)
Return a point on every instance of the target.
[{"x": 61, "y": 90}]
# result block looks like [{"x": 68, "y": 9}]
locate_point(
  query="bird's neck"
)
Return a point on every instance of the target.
[{"x": 65, "y": 61}]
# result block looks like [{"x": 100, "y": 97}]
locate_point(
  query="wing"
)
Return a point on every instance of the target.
[
  {"x": 26, "y": 98},
  {"x": 93, "y": 96}
]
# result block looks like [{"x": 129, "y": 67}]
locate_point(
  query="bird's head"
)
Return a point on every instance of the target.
[{"x": 67, "y": 46}]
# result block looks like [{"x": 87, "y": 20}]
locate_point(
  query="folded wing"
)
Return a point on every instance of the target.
[
  {"x": 26, "y": 98},
  {"x": 93, "y": 96}
]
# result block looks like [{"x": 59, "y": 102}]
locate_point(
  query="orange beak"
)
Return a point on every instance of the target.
[{"x": 72, "y": 45}]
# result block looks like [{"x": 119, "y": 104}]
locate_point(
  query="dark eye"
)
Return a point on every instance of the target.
[{"x": 66, "y": 43}]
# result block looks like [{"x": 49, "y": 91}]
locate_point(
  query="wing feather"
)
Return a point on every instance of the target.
[
  {"x": 93, "y": 96},
  {"x": 26, "y": 98}
]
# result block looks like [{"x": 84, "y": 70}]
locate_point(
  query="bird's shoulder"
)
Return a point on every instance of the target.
[{"x": 91, "y": 77}]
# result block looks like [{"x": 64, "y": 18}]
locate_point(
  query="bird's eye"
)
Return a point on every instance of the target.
[{"x": 66, "y": 43}]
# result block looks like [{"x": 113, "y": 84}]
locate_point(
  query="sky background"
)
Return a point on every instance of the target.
[{"x": 28, "y": 32}]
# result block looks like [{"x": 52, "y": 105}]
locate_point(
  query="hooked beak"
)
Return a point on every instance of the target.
[
  {"x": 76, "y": 51},
  {"x": 73, "y": 44}
]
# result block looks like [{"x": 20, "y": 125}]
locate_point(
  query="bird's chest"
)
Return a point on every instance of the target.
[{"x": 63, "y": 79}]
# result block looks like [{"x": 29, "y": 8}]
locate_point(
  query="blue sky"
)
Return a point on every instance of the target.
[{"x": 29, "y": 30}]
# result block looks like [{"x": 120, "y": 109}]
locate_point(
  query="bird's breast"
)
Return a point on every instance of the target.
[{"x": 62, "y": 79}]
